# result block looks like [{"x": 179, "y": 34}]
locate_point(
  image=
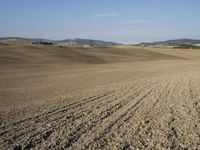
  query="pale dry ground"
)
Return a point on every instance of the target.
[{"x": 99, "y": 98}]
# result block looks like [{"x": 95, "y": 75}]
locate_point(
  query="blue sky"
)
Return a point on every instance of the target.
[{"x": 127, "y": 21}]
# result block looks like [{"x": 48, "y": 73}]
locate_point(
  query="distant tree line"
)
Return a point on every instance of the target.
[
  {"x": 42, "y": 43},
  {"x": 187, "y": 46}
]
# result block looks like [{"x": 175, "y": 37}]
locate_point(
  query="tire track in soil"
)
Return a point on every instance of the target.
[
  {"x": 57, "y": 111},
  {"x": 105, "y": 103},
  {"x": 145, "y": 122},
  {"x": 143, "y": 134},
  {"x": 103, "y": 141},
  {"x": 63, "y": 108},
  {"x": 122, "y": 116},
  {"x": 27, "y": 124},
  {"x": 88, "y": 125},
  {"x": 65, "y": 123},
  {"x": 44, "y": 135}
]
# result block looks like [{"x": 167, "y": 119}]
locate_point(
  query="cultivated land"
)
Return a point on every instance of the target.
[{"x": 123, "y": 97}]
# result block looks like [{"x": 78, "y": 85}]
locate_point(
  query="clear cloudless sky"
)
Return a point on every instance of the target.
[{"x": 127, "y": 21}]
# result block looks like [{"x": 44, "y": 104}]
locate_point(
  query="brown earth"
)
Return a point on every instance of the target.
[{"x": 121, "y": 97}]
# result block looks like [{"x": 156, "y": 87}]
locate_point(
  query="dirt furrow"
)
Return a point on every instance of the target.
[
  {"x": 121, "y": 116},
  {"x": 59, "y": 111},
  {"x": 140, "y": 132},
  {"x": 23, "y": 129},
  {"x": 87, "y": 126},
  {"x": 155, "y": 113},
  {"x": 65, "y": 121}
]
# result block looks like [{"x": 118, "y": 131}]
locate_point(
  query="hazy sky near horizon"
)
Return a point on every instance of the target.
[{"x": 127, "y": 21}]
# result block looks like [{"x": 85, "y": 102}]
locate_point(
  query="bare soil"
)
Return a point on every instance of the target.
[{"x": 121, "y": 97}]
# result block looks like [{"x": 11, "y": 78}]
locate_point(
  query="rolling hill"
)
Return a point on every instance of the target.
[
  {"x": 174, "y": 42},
  {"x": 55, "y": 97},
  {"x": 66, "y": 42}
]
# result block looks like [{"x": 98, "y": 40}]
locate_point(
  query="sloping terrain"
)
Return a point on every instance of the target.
[
  {"x": 99, "y": 98},
  {"x": 15, "y": 42},
  {"x": 45, "y": 55}
]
